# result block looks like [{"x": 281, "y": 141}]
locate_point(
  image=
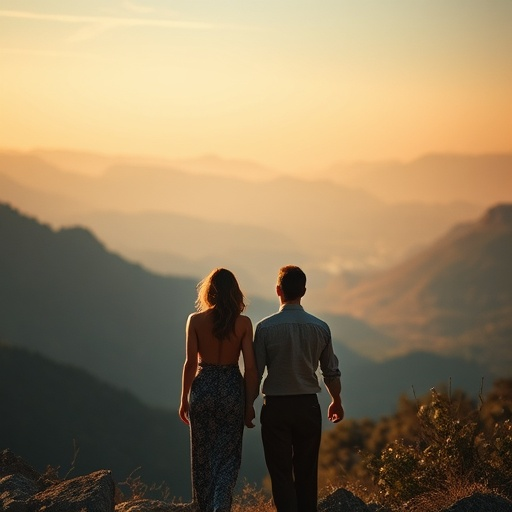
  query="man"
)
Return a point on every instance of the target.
[{"x": 291, "y": 344}]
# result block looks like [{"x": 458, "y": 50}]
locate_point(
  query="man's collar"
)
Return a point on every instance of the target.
[{"x": 290, "y": 306}]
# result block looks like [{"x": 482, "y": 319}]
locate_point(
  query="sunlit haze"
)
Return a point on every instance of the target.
[{"x": 292, "y": 85}]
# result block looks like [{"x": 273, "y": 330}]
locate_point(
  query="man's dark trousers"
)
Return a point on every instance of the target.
[{"x": 291, "y": 429}]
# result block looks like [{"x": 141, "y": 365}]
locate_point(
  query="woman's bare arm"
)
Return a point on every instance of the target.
[
  {"x": 250, "y": 373},
  {"x": 189, "y": 368}
]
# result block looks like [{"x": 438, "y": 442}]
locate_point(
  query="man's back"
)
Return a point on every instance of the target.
[{"x": 290, "y": 344}]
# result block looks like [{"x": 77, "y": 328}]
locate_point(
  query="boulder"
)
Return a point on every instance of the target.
[
  {"x": 480, "y": 502},
  {"x": 15, "y": 492},
  {"x": 342, "y": 500},
  {"x": 11, "y": 464},
  {"x": 18, "y": 483},
  {"x": 143, "y": 505},
  {"x": 93, "y": 493},
  {"x": 23, "y": 489}
]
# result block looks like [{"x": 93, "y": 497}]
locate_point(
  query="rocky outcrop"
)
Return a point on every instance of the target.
[
  {"x": 480, "y": 502},
  {"x": 93, "y": 493},
  {"x": 15, "y": 492},
  {"x": 342, "y": 500},
  {"x": 22, "y": 489},
  {"x": 153, "y": 506}
]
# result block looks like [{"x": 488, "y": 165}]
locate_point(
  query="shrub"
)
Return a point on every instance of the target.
[{"x": 454, "y": 453}]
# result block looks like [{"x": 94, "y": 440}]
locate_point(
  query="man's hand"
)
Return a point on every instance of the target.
[{"x": 335, "y": 413}]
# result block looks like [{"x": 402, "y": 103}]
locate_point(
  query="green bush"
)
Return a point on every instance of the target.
[
  {"x": 453, "y": 451},
  {"x": 433, "y": 451}
]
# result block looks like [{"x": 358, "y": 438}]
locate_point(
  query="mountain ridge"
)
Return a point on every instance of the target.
[
  {"x": 449, "y": 295},
  {"x": 332, "y": 228},
  {"x": 483, "y": 179}
]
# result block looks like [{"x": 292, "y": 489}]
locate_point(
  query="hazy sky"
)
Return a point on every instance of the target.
[{"x": 292, "y": 84}]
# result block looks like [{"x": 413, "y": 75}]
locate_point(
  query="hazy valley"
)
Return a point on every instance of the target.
[
  {"x": 417, "y": 294},
  {"x": 177, "y": 222}
]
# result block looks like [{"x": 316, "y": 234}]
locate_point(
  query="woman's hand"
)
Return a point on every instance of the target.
[{"x": 184, "y": 412}]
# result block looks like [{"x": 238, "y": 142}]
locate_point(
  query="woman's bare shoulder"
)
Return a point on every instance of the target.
[
  {"x": 244, "y": 320},
  {"x": 198, "y": 316}
]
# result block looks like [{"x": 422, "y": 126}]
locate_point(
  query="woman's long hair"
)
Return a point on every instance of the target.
[{"x": 220, "y": 291}]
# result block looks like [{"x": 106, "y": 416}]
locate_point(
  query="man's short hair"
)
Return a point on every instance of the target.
[{"x": 292, "y": 281}]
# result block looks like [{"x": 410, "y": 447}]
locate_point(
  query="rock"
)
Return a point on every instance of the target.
[
  {"x": 480, "y": 502},
  {"x": 11, "y": 464},
  {"x": 18, "y": 482},
  {"x": 15, "y": 492},
  {"x": 93, "y": 493},
  {"x": 22, "y": 489},
  {"x": 143, "y": 505},
  {"x": 342, "y": 500}
]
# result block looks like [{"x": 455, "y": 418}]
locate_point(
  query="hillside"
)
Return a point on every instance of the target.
[
  {"x": 46, "y": 406},
  {"x": 64, "y": 295},
  {"x": 455, "y": 296}
]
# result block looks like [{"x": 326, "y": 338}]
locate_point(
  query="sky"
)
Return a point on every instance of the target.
[{"x": 293, "y": 85}]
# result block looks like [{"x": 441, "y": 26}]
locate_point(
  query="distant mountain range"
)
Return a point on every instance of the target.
[
  {"x": 327, "y": 227},
  {"x": 435, "y": 178},
  {"x": 95, "y": 164},
  {"x": 453, "y": 297}
]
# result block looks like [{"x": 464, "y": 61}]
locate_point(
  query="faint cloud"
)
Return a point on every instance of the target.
[
  {"x": 141, "y": 9},
  {"x": 48, "y": 53},
  {"x": 94, "y": 25}
]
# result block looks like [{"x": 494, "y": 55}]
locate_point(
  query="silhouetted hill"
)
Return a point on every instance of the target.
[
  {"x": 46, "y": 406},
  {"x": 64, "y": 295},
  {"x": 454, "y": 297}
]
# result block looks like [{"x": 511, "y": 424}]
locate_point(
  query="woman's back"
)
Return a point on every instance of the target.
[{"x": 212, "y": 350}]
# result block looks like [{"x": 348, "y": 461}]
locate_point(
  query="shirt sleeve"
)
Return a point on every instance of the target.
[
  {"x": 259, "y": 352},
  {"x": 329, "y": 364}
]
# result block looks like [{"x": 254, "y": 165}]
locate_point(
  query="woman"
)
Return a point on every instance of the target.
[{"x": 213, "y": 399}]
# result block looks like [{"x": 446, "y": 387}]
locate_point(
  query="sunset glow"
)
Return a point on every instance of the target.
[{"x": 293, "y": 85}]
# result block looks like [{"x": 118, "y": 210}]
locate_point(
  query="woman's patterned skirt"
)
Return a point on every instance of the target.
[{"x": 216, "y": 428}]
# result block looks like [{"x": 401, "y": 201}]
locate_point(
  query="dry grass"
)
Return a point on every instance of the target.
[
  {"x": 442, "y": 499},
  {"x": 251, "y": 499}
]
